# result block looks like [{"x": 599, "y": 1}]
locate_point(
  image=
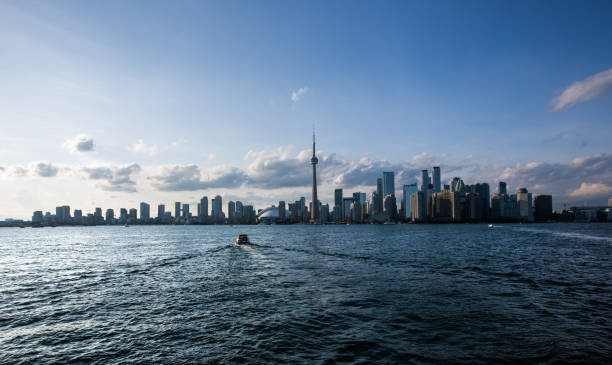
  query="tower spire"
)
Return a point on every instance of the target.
[{"x": 313, "y": 140}]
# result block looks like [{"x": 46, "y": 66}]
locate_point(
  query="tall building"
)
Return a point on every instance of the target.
[
  {"x": 133, "y": 213},
  {"x": 62, "y": 214},
  {"x": 388, "y": 183},
  {"x": 543, "y": 207},
  {"x": 501, "y": 189},
  {"x": 314, "y": 212},
  {"x": 177, "y": 210},
  {"x": 281, "y": 210},
  {"x": 144, "y": 211},
  {"x": 161, "y": 210},
  {"x": 110, "y": 216},
  {"x": 436, "y": 179},
  {"x": 186, "y": 211},
  {"x": 217, "y": 204},
  {"x": 204, "y": 207},
  {"x": 417, "y": 207},
  {"x": 78, "y": 213},
  {"x": 37, "y": 217},
  {"x": 239, "y": 212},
  {"x": 523, "y": 199},
  {"x": 482, "y": 189},
  {"x": 346, "y": 208},
  {"x": 390, "y": 206},
  {"x": 408, "y": 190},
  {"x": 231, "y": 210},
  {"x": 424, "y": 180},
  {"x": 378, "y": 202}
]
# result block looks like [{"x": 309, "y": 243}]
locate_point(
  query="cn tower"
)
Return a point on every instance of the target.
[{"x": 314, "y": 212}]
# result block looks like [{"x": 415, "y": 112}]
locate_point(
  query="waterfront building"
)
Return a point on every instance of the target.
[
  {"x": 417, "y": 206},
  {"x": 133, "y": 213},
  {"x": 110, "y": 216},
  {"x": 185, "y": 211},
  {"x": 217, "y": 211},
  {"x": 390, "y": 207},
  {"x": 457, "y": 185},
  {"x": 231, "y": 211},
  {"x": 408, "y": 190},
  {"x": 324, "y": 213},
  {"x": 523, "y": 199},
  {"x": 78, "y": 213},
  {"x": 436, "y": 179},
  {"x": 424, "y": 180},
  {"x": 497, "y": 206},
  {"x": 543, "y": 208},
  {"x": 281, "y": 210},
  {"x": 177, "y": 210},
  {"x": 203, "y": 207},
  {"x": 482, "y": 189},
  {"x": 37, "y": 216},
  {"x": 144, "y": 211},
  {"x": 501, "y": 188},
  {"x": 379, "y": 195},
  {"x": 446, "y": 207},
  {"x": 388, "y": 183},
  {"x": 346, "y": 208},
  {"x": 62, "y": 214},
  {"x": 355, "y": 212},
  {"x": 161, "y": 210}
]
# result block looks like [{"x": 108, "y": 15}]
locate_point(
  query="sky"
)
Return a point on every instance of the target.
[{"x": 110, "y": 103}]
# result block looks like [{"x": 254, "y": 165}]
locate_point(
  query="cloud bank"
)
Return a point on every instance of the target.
[{"x": 581, "y": 91}]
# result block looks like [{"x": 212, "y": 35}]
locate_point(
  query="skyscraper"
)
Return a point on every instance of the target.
[
  {"x": 436, "y": 179},
  {"x": 161, "y": 209},
  {"x": 177, "y": 210},
  {"x": 216, "y": 211},
  {"x": 231, "y": 210},
  {"x": 204, "y": 207},
  {"x": 388, "y": 183},
  {"x": 314, "y": 212},
  {"x": 408, "y": 191},
  {"x": 378, "y": 202},
  {"x": 502, "y": 188},
  {"x": 186, "y": 211},
  {"x": 424, "y": 180},
  {"x": 144, "y": 211}
]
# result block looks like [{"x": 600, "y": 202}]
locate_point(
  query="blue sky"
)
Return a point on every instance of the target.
[{"x": 198, "y": 95}]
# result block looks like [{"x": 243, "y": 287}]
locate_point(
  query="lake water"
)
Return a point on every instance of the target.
[{"x": 307, "y": 294}]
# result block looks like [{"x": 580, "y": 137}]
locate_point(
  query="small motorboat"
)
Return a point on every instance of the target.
[
  {"x": 242, "y": 239},
  {"x": 491, "y": 226}
]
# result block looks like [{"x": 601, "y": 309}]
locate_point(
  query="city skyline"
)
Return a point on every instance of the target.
[{"x": 95, "y": 114}]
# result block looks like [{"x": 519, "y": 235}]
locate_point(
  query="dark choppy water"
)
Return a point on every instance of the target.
[{"x": 410, "y": 293}]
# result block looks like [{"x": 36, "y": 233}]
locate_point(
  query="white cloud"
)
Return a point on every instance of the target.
[
  {"x": 190, "y": 178},
  {"x": 45, "y": 169},
  {"x": 114, "y": 178},
  {"x": 80, "y": 143},
  {"x": 595, "y": 190},
  {"x": 297, "y": 94},
  {"x": 581, "y": 91},
  {"x": 141, "y": 147}
]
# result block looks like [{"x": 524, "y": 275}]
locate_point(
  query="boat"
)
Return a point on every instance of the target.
[
  {"x": 490, "y": 226},
  {"x": 242, "y": 239}
]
